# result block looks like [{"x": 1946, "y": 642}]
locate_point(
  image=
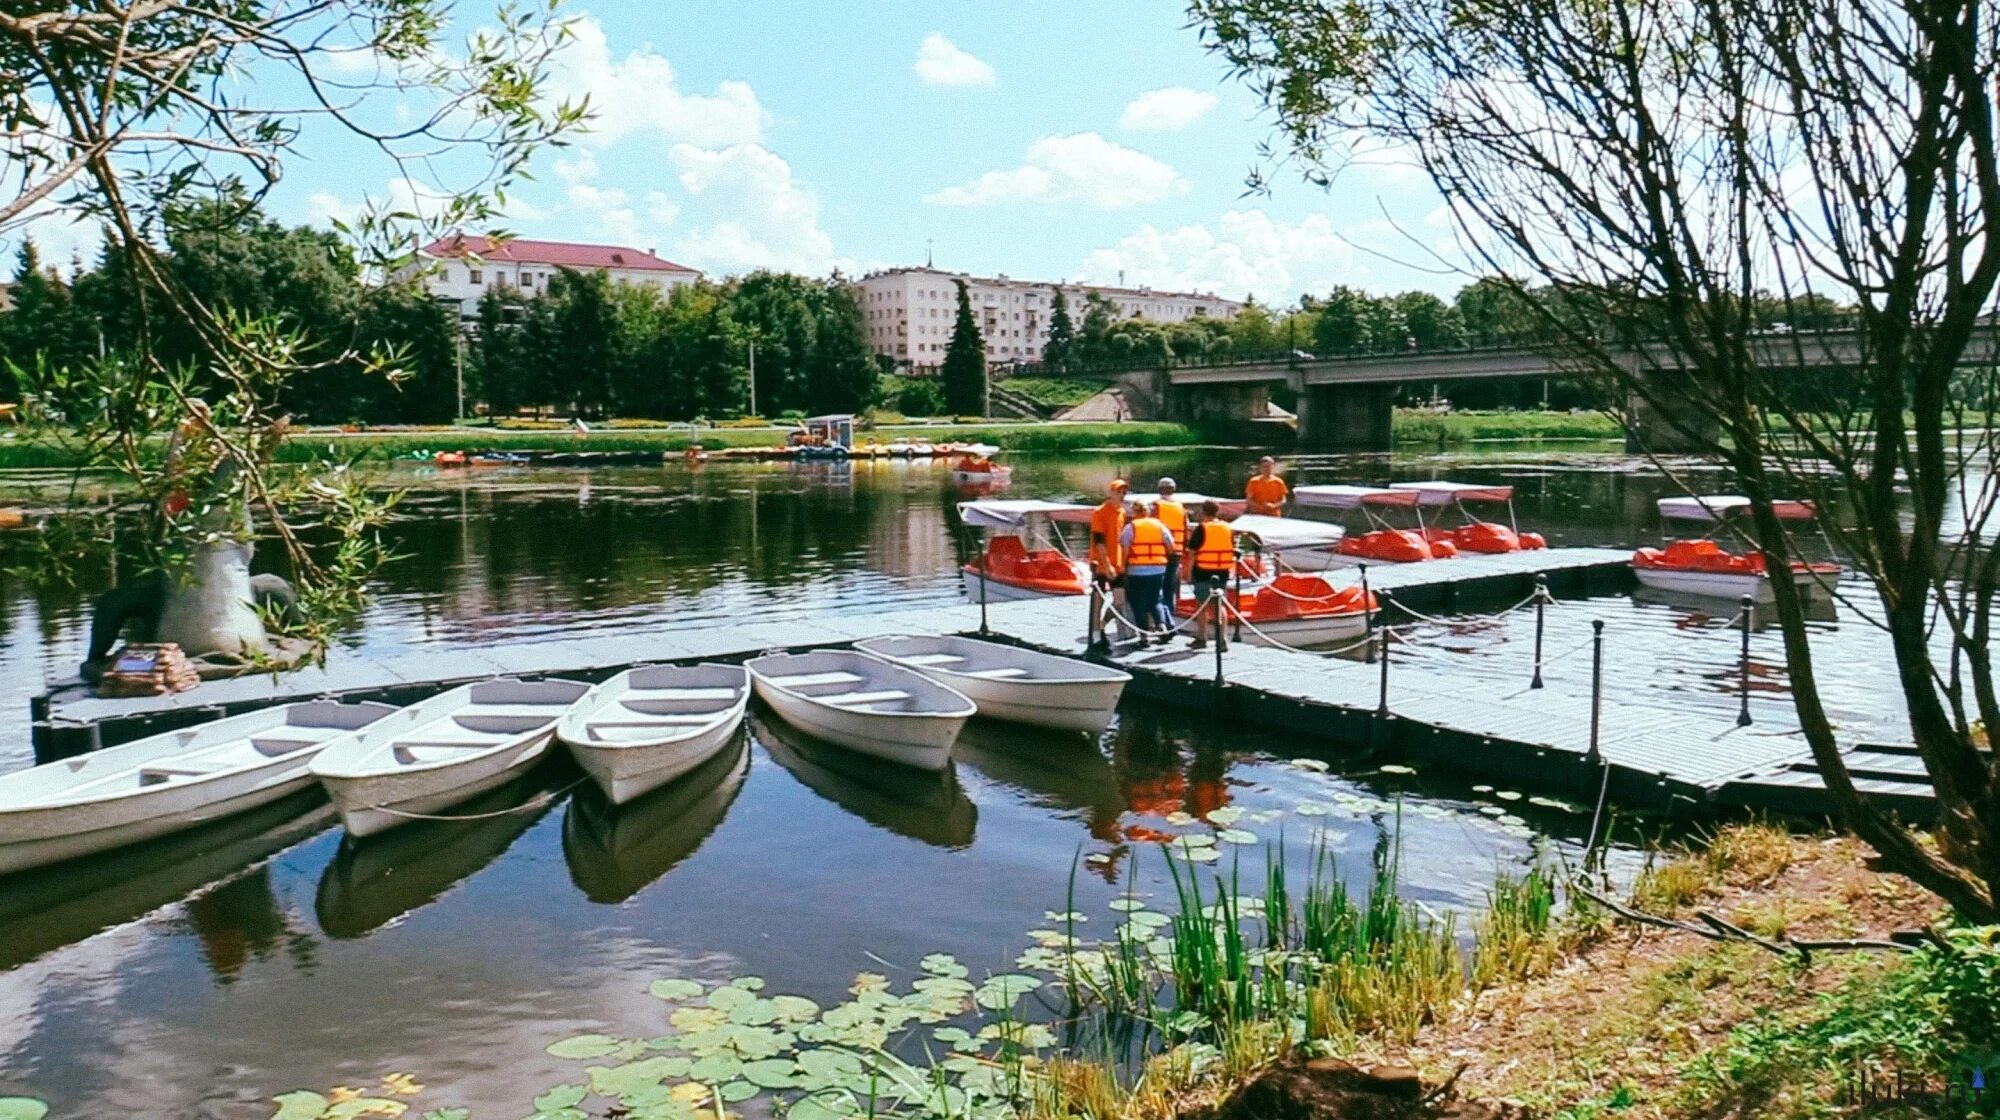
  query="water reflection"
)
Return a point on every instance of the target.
[
  {"x": 46, "y": 909},
  {"x": 925, "y": 806},
  {"x": 1055, "y": 769},
  {"x": 616, "y": 851},
  {"x": 374, "y": 882}
]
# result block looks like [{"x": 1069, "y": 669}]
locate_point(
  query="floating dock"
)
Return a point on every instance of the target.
[{"x": 1473, "y": 714}]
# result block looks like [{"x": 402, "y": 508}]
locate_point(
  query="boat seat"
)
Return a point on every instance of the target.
[
  {"x": 847, "y": 699},
  {"x": 807, "y": 680},
  {"x": 285, "y": 742},
  {"x": 683, "y": 720},
  {"x": 159, "y": 772},
  {"x": 683, "y": 694},
  {"x": 932, "y": 659},
  {"x": 997, "y": 674},
  {"x": 512, "y": 711},
  {"x": 423, "y": 753}
]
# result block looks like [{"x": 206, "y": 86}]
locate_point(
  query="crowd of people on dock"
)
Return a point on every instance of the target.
[{"x": 1142, "y": 552}]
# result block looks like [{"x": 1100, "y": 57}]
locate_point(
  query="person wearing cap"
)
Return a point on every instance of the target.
[
  {"x": 1149, "y": 552},
  {"x": 1107, "y": 563},
  {"x": 1174, "y": 516},
  {"x": 1266, "y": 492}
]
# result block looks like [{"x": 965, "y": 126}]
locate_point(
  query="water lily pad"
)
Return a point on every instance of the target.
[
  {"x": 824, "y": 1106},
  {"x": 1097, "y": 857},
  {"x": 756, "y": 1013},
  {"x": 1033, "y": 1036},
  {"x": 1196, "y": 853},
  {"x": 868, "y": 982},
  {"x": 730, "y": 998},
  {"x": 561, "y": 1097},
  {"x": 1126, "y": 904},
  {"x": 1266, "y": 816},
  {"x": 690, "y": 1020},
  {"x": 1000, "y": 992},
  {"x": 1225, "y": 816},
  {"x": 1180, "y": 817},
  {"x": 1555, "y": 803},
  {"x": 1511, "y": 821},
  {"x": 633, "y": 1077},
  {"x": 771, "y": 1073},
  {"x": 826, "y": 1067},
  {"x": 1393, "y": 768},
  {"x": 736, "y": 1092},
  {"x": 1236, "y": 836},
  {"x": 1065, "y": 916},
  {"x": 748, "y": 983},
  {"x": 1313, "y": 809},
  {"x": 795, "y": 1009},
  {"x": 583, "y": 1046},
  {"x": 1493, "y": 810},
  {"x": 1509, "y": 795},
  {"x": 359, "y": 1107},
  {"x": 453, "y": 1114},
  {"x": 673, "y": 990},
  {"x": 942, "y": 964},
  {"x": 1313, "y": 764},
  {"x": 301, "y": 1105},
  {"x": 716, "y": 1067},
  {"x": 946, "y": 985},
  {"x": 1482, "y": 789}
]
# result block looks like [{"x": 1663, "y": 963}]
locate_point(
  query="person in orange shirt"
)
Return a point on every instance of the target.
[
  {"x": 1107, "y": 565},
  {"x": 1267, "y": 492},
  {"x": 1174, "y": 516}
]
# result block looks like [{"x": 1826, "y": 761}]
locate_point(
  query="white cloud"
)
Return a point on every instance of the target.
[
  {"x": 772, "y": 222},
  {"x": 62, "y": 240},
  {"x": 635, "y": 95},
  {"x": 941, "y": 62},
  {"x": 1248, "y": 252},
  {"x": 405, "y": 195},
  {"x": 1084, "y": 167},
  {"x": 1163, "y": 110}
]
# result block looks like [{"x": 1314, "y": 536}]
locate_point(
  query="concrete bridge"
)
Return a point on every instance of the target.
[{"x": 1346, "y": 403}]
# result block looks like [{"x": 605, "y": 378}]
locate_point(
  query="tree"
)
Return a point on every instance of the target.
[
  {"x": 499, "y": 373},
  {"x": 964, "y": 371},
  {"x": 1058, "y": 351},
  {"x": 1093, "y": 341},
  {"x": 1253, "y": 331},
  {"x": 1682, "y": 173},
  {"x": 1427, "y": 320},
  {"x": 1349, "y": 321},
  {"x": 840, "y": 377},
  {"x": 45, "y": 328}
]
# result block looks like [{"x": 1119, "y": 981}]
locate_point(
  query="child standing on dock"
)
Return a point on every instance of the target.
[{"x": 1266, "y": 492}]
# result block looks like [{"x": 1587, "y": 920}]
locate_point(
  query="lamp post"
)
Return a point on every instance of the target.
[{"x": 753, "y": 377}]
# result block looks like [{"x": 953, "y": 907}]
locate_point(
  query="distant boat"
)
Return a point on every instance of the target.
[
  {"x": 165, "y": 783},
  {"x": 446, "y": 750},
  {"x": 645, "y": 727},
  {"x": 864, "y": 704},
  {"x": 1010, "y": 683},
  {"x": 977, "y": 470}
]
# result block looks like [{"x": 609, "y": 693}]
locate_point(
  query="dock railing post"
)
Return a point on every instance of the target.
[
  {"x": 1215, "y": 601},
  {"x": 1236, "y": 631},
  {"x": 1541, "y": 611},
  {"x": 1596, "y": 684},
  {"x": 1090, "y": 620},
  {"x": 1382, "y": 697},
  {"x": 983, "y": 631},
  {"x": 1743, "y": 664},
  {"x": 1367, "y": 620}
]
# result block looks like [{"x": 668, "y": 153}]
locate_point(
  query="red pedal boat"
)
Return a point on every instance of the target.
[
  {"x": 1008, "y": 566},
  {"x": 1382, "y": 540},
  {"x": 1703, "y": 567},
  {"x": 1474, "y": 534}
]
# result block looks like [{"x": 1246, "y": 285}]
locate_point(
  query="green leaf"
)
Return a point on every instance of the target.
[
  {"x": 583, "y": 1046},
  {"x": 795, "y": 1009},
  {"x": 942, "y": 964},
  {"x": 448, "y": 1114},
  {"x": 635, "y": 1077},
  {"x": 1126, "y": 904},
  {"x": 1225, "y": 816},
  {"x": 828, "y": 1105},
  {"x": 1000, "y": 992},
  {"x": 737, "y": 1091},
  {"x": 716, "y": 1067},
  {"x": 561, "y": 1097},
  {"x": 731, "y": 998},
  {"x": 674, "y": 990},
  {"x": 772, "y": 1073},
  {"x": 364, "y": 1106},
  {"x": 748, "y": 983},
  {"x": 1236, "y": 836},
  {"x": 301, "y": 1105},
  {"x": 756, "y": 1013}
]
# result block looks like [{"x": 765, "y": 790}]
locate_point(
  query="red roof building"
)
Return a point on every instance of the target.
[
  {"x": 464, "y": 268},
  {"x": 556, "y": 254}
]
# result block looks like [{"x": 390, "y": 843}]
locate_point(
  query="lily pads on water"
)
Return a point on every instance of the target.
[
  {"x": 1392, "y": 768},
  {"x": 1313, "y": 809},
  {"x": 1225, "y": 816},
  {"x": 1000, "y": 992},
  {"x": 1180, "y": 818},
  {"x": 633, "y": 1078},
  {"x": 675, "y": 990},
  {"x": 1509, "y": 795},
  {"x": 942, "y": 964},
  {"x": 301, "y": 1105},
  {"x": 1126, "y": 904},
  {"x": 584, "y": 1046},
  {"x": 1315, "y": 765},
  {"x": 1236, "y": 836},
  {"x": 730, "y": 998},
  {"x": 795, "y": 1009},
  {"x": 693, "y": 1020}
]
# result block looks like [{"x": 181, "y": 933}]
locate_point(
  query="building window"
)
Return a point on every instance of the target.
[{"x": 476, "y": 275}]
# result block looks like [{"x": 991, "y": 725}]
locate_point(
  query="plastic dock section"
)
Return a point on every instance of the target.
[{"x": 1472, "y": 714}]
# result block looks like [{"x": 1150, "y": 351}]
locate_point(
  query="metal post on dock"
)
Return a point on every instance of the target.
[
  {"x": 1215, "y": 600},
  {"x": 1367, "y": 620},
  {"x": 983, "y": 631},
  {"x": 1743, "y": 666},
  {"x": 1541, "y": 610},
  {"x": 1382, "y": 698},
  {"x": 1596, "y": 684},
  {"x": 1236, "y": 632}
]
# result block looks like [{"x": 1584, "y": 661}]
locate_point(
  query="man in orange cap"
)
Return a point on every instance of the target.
[{"x": 1107, "y": 562}]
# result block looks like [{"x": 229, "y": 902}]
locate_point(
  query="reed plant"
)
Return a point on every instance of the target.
[{"x": 1516, "y": 938}]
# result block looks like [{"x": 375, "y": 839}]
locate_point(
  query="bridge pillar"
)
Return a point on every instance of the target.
[
  {"x": 1219, "y": 403},
  {"x": 1662, "y": 427},
  {"x": 1346, "y": 417}
]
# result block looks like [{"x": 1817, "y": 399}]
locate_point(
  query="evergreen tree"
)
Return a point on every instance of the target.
[
  {"x": 1094, "y": 340},
  {"x": 964, "y": 372},
  {"x": 841, "y": 375},
  {"x": 496, "y": 354},
  {"x": 45, "y": 329},
  {"x": 1059, "y": 350}
]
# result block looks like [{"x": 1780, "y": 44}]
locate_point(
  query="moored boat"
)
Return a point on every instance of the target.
[
  {"x": 1474, "y": 533},
  {"x": 1008, "y": 566},
  {"x": 1703, "y": 567},
  {"x": 433, "y": 755},
  {"x": 978, "y": 470},
  {"x": 166, "y": 783},
  {"x": 1006, "y": 682},
  {"x": 1296, "y": 609},
  {"x": 645, "y": 727},
  {"x": 864, "y": 704},
  {"x": 1381, "y": 540}
]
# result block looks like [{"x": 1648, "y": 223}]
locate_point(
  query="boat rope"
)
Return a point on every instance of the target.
[
  {"x": 1468, "y": 618},
  {"x": 1252, "y": 627},
  {"x": 540, "y": 800},
  {"x": 1130, "y": 625}
]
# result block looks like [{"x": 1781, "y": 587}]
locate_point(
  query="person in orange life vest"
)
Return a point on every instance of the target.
[
  {"x": 1213, "y": 545},
  {"x": 1174, "y": 516},
  {"x": 1149, "y": 553},
  {"x": 1107, "y": 565},
  {"x": 1267, "y": 492}
]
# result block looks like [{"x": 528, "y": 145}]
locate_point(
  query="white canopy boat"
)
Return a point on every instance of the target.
[
  {"x": 645, "y": 727},
  {"x": 1009, "y": 683},
  {"x": 445, "y": 750},
  {"x": 164, "y": 783},
  {"x": 1474, "y": 533},
  {"x": 864, "y": 703},
  {"x": 1009, "y": 565},
  {"x": 1703, "y": 567},
  {"x": 1383, "y": 540}
]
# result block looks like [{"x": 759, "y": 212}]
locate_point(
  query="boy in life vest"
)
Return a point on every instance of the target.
[
  {"x": 1266, "y": 493},
  {"x": 1213, "y": 544},
  {"x": 1149, "y": 553},
  {"x": 1107, "y": 566}
]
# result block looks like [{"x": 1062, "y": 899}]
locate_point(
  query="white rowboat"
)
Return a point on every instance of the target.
[
  {"x": 165, "y": 783},
  {"x": 645, "y": 727},
  {"x": 448, "y": 749},
  {"x": 1012, "y": 684},
  {"x": 864, "y": 704}
]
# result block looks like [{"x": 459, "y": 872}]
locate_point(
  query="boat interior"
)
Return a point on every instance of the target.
[
  {"x": 983, "y": 660},
  {"x": 833, "y": 680},
  {"x": 666, "y": 701}
]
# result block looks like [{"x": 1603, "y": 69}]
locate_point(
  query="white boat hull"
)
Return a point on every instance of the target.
[
  {"x": 375, "y": 804},
  {"x": 999, "y": 592},
  {"x": 919, "y": 737},
  {"x": 1304, "y": 631},
  {"x": 166, "y": 783},
  {"x": 1720, "y": 585},
  {"x": 1008, "y": 683},
  {"x": 631, "y": 734},
  {"x": 926, "y": 746}
]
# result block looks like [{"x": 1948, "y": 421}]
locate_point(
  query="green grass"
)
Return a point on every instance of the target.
[
  {"x": 1445, "y": 429},
  {"x": 1054, "y": 392}
]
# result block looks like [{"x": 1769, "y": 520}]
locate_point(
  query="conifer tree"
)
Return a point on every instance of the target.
[
  {"x": 964, "y": 373},
  {"x": 1059, "y": 350}
]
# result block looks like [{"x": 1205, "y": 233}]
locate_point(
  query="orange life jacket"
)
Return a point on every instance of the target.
[
  {"x": 1174, "y": 516},
  {"x": 1151, "y": 542},
  {"x": 1217, "y": 554}
]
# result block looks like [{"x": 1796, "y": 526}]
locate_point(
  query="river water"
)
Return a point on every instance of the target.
[{"x": 200, "y": 976}]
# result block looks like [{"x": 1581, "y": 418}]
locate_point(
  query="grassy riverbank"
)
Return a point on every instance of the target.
[
  {"x": 1263, "y": 992},
  {"x": 1414, "y": 429}
]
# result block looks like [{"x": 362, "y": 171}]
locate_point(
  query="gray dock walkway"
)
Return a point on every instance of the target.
[{"x": 1470, "y": 714}]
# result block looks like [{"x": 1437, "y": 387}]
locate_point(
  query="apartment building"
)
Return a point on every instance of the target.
[
  {"x": 909, "y": 312},
  {"x": 462, "y": 268}
]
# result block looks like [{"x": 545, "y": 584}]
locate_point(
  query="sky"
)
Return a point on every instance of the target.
[{"x": 1086, "y": 141}]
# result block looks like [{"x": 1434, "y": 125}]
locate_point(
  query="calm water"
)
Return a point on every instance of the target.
[{"x": 199, "y": 976}]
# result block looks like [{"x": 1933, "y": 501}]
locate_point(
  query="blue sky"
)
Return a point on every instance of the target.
[{"x": 1053, "y": 141}]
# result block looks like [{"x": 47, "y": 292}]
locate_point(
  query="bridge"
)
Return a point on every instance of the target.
[{"x": 1346, "y": 403}]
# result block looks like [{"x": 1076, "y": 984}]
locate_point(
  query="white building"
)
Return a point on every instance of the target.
[
  {"x": 909, "y": 312},
  {"x": 462, "y": 268}
]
